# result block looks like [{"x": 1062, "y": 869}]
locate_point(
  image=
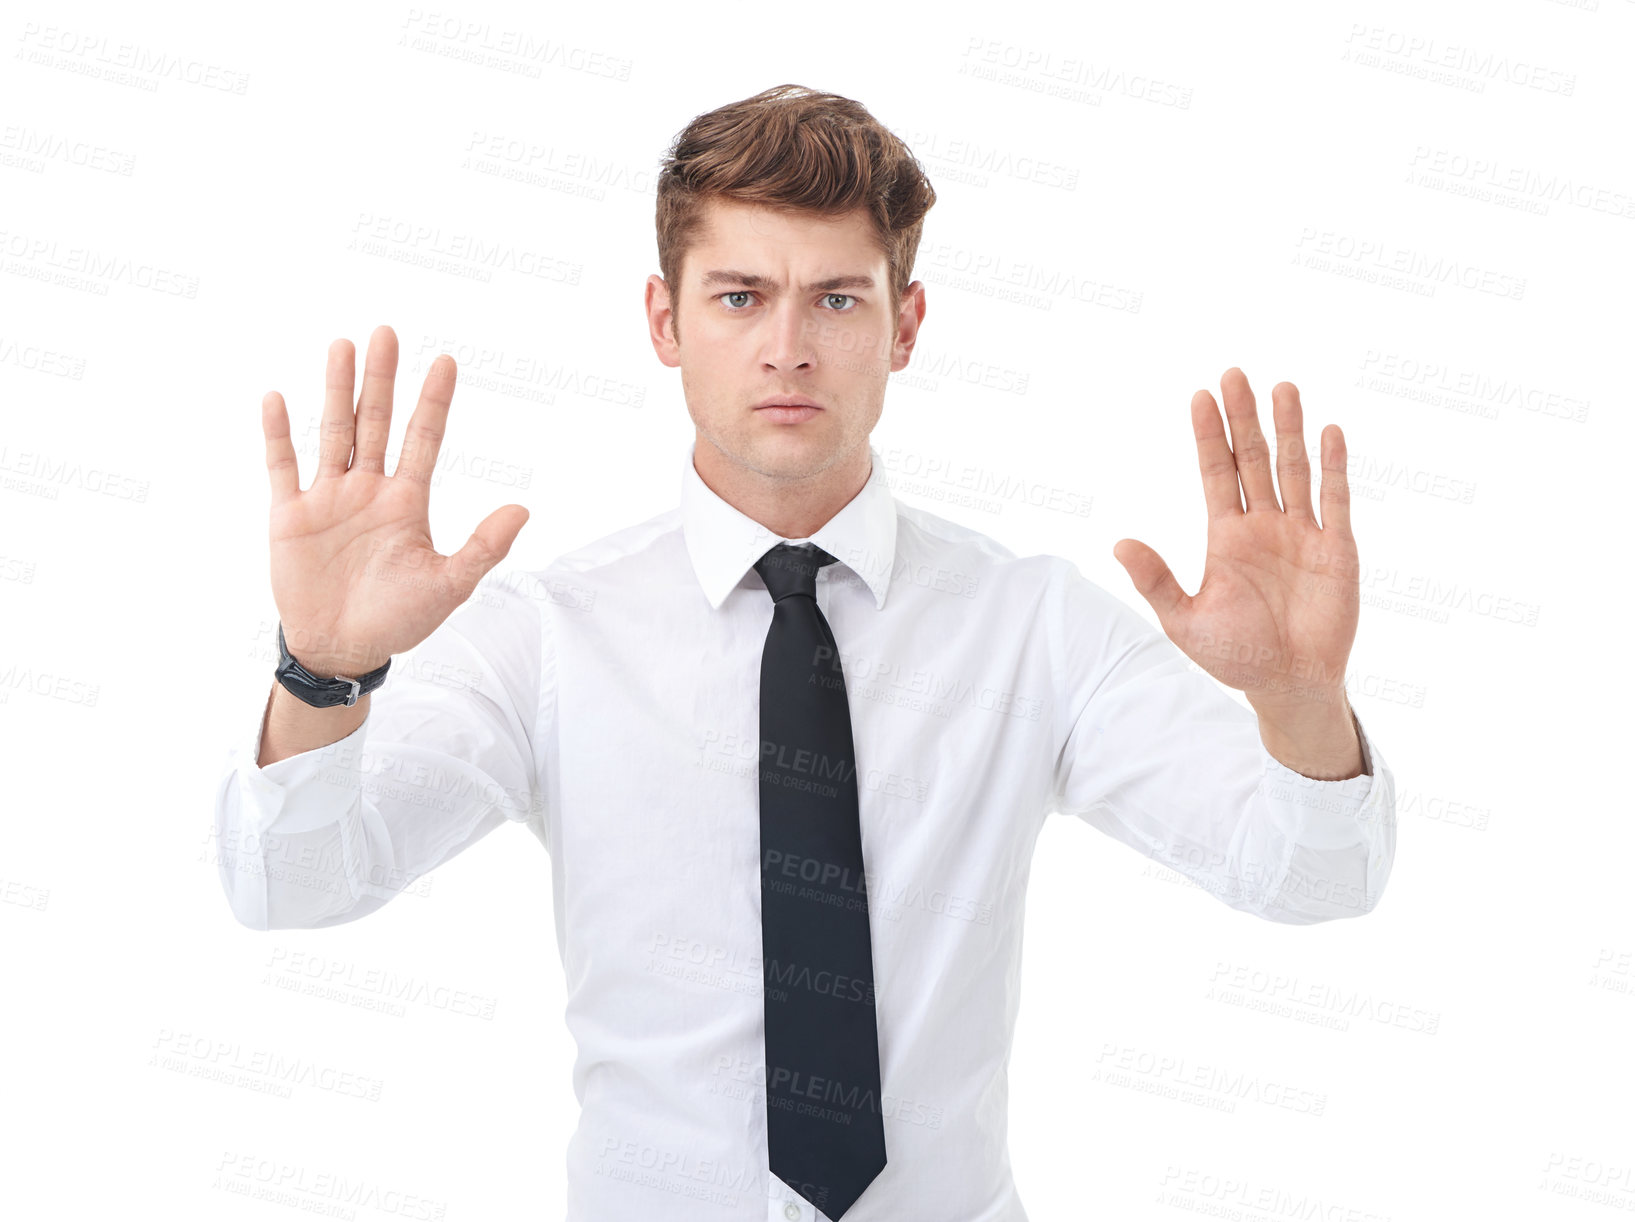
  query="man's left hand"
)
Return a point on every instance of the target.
[{"x": 1276, "y": 613}]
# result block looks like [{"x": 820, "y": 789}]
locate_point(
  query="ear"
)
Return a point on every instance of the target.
[
  {"x": 660, "y": 322},
  {"x": 910, "y": 314}
]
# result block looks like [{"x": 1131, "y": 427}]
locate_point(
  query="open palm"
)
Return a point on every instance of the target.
[
  {"x": 1276, "y": 613},
  {"x": 354, "y": 573}
]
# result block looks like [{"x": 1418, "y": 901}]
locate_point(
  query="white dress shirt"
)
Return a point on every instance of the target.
[{"x": 609, "y": 703}]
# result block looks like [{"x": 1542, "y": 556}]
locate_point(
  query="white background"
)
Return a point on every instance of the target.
[{"x": 1325, "y": 194}]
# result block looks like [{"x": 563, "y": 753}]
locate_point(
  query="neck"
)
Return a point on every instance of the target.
[{"x": 792, "y": 507}]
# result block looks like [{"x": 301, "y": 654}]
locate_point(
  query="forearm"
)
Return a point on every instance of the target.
[{"x": 294, "y": 726}]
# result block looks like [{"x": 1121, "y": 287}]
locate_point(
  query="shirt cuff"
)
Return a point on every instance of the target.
[
  {"x": 1324, "y": 814},
  {"x": 303, "y": 792}
]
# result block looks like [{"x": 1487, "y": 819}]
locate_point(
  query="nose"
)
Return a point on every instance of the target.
[{"x": 791, "y": 338}]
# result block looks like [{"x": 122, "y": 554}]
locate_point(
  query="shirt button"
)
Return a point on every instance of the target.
[{"x": 791, "y": 1211}]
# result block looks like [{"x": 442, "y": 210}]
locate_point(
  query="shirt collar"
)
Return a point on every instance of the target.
[{"x": 724, "y": 543}]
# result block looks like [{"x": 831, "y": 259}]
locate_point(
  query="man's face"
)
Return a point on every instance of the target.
[{"x": 777, "y": 307}]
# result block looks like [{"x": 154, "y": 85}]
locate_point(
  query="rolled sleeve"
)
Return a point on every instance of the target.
[
  {"x": 259, "y": 813},
  {"x": 445, "y": 754},
  {"x": 1157, "y": 755},
  {"x": 1341, "y": 837}
]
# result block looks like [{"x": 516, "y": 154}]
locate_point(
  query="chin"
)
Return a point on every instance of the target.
[{"x": 793, "y": 455}]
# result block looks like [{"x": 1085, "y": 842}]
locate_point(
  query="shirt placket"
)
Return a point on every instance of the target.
[{"x": 784, "y": 1204}]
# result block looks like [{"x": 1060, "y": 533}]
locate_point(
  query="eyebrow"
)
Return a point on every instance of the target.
[{"x": 765, "y": 283}]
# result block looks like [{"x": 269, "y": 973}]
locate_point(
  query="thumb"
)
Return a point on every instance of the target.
[
  {"x": 488, "y": 545},
  {"x": 1154, "y": 582}
]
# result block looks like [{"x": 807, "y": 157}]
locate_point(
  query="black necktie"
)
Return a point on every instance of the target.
[{"x": 825, "y": 1135}]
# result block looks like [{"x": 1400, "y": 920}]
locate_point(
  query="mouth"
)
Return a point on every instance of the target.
[{"x": 789, "y": 409}]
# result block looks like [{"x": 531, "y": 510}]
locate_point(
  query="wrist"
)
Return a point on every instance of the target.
[
  {"x": 1318, "y": 739},
  {"x": 327, "y": 657},
  {"x": 325, "y": 688}
]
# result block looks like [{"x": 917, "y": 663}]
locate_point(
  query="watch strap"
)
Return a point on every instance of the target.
[{"x": 324, "y": 692}]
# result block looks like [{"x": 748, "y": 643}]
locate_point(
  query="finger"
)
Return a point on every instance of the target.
[
  {"x": 335, "y": 429},
  {"x": 423, "y": 437},
  {"x": 375, "y": 402},
  {"x": 489, "y": 544},
  {"x": 1249, "y": 448},
  {"x": 1336, "y": 492},
  {"x": 282, "y": 468},
  {"x": 1293, "y": 467},
  {"x": 1154, "y": 581},
  {"x": 1215, "y": 462}
]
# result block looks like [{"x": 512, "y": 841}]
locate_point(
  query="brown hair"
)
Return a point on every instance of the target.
[{"x": 798, "y": 150}]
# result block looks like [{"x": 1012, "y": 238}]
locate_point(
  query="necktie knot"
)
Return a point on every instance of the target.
[{"x": 789, "y": 568}]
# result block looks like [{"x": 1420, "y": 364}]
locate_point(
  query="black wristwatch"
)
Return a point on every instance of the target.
[{"x": 323, "y": 693}]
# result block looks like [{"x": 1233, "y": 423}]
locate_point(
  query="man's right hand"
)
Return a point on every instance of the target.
[{"x": 354, "y": 573}]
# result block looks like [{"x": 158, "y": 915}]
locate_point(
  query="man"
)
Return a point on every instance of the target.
[{"x": 790, "y": 744}]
